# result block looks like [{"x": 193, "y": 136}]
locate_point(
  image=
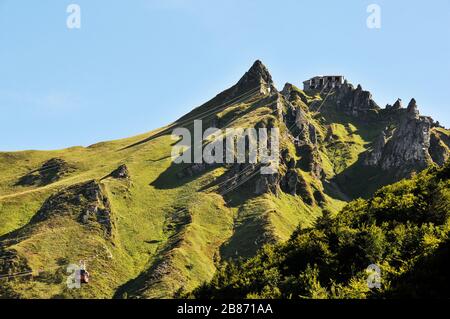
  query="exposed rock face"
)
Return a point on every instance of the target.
[
  {"x": 121, "y": 172},
  {"x": 257, "y": 76},
  {"x": 397, "y": 105},
  {"x": 292, "y": 95},
  {"x": 310, "y": 160},
  {"x": 50, "y": 172},
  {"x": 354, "y": 102},
  {"x": 293, "y": 183},
  {"x": 194, "y": 170},
  {"x": 376, "y": 153},
  {"x": 407, "y": 149},
  {"x": 257, "y": 80},
  {"x": 407, "y": 143},
  {"x": 305, "y": 138},
  {"x": 86, "y": 202},
  {"x": 266, "y": 183},
  {"x": 304, "y": 133}
]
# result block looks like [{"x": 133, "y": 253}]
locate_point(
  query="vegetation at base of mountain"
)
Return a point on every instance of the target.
[
  {"x": 150, "y": 228},
  {"x": 403, "y": 229}
]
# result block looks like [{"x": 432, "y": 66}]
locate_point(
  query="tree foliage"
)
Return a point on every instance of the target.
[{"x": 403, "y": 230}]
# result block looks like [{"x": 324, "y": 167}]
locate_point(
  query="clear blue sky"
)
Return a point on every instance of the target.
[{"x": 137, "y": 65}]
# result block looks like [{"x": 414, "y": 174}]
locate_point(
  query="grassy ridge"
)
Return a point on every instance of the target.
[
  {"x": 170, "y": 232},
  {"x": 403, "y": 230}
]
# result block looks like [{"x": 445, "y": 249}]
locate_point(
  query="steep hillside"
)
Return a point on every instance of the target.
[
  {"x": 150, "y": 228},
  {"x": 403, "y": 230}
]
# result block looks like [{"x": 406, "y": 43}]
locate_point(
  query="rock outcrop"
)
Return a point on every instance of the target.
[
  {"x": 303, "y": 131},
  {"x": 194, "y": 170},
  {"x": 85, "y": 202},
  {"x": 256, "y": 81},
  {"x": 120, "y": 173},
  {"x": 256, "y": 76},
  {"x": 406, "y": 144},
  {"x": 353, "y": 102},
  {"x": 49, "y": 172},
  {"x": 293, "y": 183},
  {"x": 407, "y": 150}
]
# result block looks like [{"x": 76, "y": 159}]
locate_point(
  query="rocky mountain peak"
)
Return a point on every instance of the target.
[
  {"x": 257, "y": 76},
  {"x": 258, "y": 69},
  {"x": 398, "y": 104},
  {"x": 354, "y": 102},
  {"x": 257, "y": 80}
]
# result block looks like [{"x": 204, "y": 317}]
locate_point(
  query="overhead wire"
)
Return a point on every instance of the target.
[
  {"x": 238, "y": 99},
  {"x": 229, "y": 189}
]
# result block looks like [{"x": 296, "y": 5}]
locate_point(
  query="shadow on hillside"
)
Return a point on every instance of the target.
[
  {"x": 368, "y": 128},
  {"x": 167, "y": 131},
  {"x": 359, "y": 180},
  {"x": 18, "y": 235},
  {"x": 174, "y": 228},
  {"x": 250, "y": 233},
  {"x": 159, "y": 159},
  {"x": 175, "y": 176},
  {"x": 180, "y": 174},
  {"x": 238, "y": 196}
]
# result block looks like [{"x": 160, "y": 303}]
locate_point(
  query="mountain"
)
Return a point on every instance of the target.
[
  {"x": 150, "y": 228},
  {"x": 402, "y": 231}
]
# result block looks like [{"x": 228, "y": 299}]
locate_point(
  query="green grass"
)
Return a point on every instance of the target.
[
  {"x": 344, "y": 146},
  {"x": 149, "y": 232},
  {"x": 170, "y": 234}
]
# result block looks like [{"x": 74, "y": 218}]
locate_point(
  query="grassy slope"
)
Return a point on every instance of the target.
[
  {"x": 64, "y": 239},
  {"x": 404, "y": 229},
  {"x": 151, "y": 235},
  {"x": 140, "y": 209},
  {"x": 143, "y": 212}
]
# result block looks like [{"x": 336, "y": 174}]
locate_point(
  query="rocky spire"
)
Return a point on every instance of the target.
[
  {"x": 257, "y": 76},
  {"x": 398, "y": 104},
  {"x": 257, "y": 80},
  {"x": 412, "y": 109},
  {"x": 374, "y": 156}
]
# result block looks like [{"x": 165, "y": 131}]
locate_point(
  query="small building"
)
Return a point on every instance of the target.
[{"x": 321, "y": 81}]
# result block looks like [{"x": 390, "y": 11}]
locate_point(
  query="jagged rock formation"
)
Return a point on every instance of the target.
[
  {"x": 294, "y": 183},
  {"x": 303, "y": 131},
  {"x": 194, "y": 170},
  {"x": 49, "y": 172},
  {"x": 406, "y": 149},
  {"x": 354, "y": 102},
  {"x": 176, "y": 223},
  {"x": 256, "y": 76},
  {"x": 257, "y": 80},
  {"x": 375, "y": 155},
  {"x": 397, "y": 105},
  {"x": 86, "y": 202}
]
